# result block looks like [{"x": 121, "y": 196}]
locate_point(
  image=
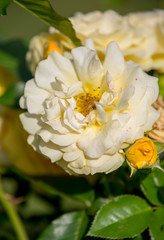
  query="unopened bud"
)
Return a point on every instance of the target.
[{"x": 142, "y": 154}]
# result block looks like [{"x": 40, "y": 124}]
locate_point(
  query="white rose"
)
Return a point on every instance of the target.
[
  {"x": 152, "y": 23},
  {"x": 103, "y": 27},
  {"x": 81, "y": 113},
  {"x": 136, "y": 42},
  {"x": 139, "y": 35}
]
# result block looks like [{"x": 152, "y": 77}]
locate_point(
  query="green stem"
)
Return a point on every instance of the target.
[{"x": 13, "y": 216}]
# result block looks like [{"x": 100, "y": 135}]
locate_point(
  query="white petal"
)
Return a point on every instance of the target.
[
  {"x": 22, "y": 102},
  {"x": 64, "y": 140},
  {"x": 114, "y": 60},
  {"x": 110, "y": 81},
  {"x": 66, "y": 67},
  {"x": 35, "y": 97},
  {"x": 135, "y": 77},
  {"x": 138, "y": 133},
  {"x": 109, "y": 163},
  {"x": 89, "y": 44},
  {"x": 55, "y": 66},
  {"x": 49, "y": 151},
  {"x": 72, "y": 156},
  {"x": 58, "y": 125},
  {"x": 91, "y": 142},
  {"x": 85, "y": 170},
  {"x": 69, "y": 117},
  {"x": 101, "y": 114},
  {"x": 153, "y": 115},
  {"x": 77, "y": 164},
  {"x": 70, "y": 148},
  {"x": 152, "y": 83},
  {"x": 88, "y": 67},
  {"x": 75, "y": 89},
  {"x": 112, "y": 134},
  {"x": 31, "y": 123},
  {"x": 46, "y": 134},
  {"x": 125, "y": 97},
  {"x": 34, "y": 142},
  {"x": 53, "y": 112}
]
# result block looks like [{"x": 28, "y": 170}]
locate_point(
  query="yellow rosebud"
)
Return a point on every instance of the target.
[{"x": 142, "y": 154}]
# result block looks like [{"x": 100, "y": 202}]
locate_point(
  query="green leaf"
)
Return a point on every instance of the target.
[
  {"x": 76, "y": 188},
  {"x": 36, "y": 206},
  {"x": 139, "y": 237},
  {"x": 97, "y": 204},
  {"x": 70, "y": 226},
  {"x": 3, "y": 5},
  {"x": 161, "y": 85},
  {"x": 12, "y": 57},
  {"x": 12, "y": 95},
  {"x": 159, "y": 146},
  {"x": 123, "y": 217},
  {"x": 153, "y": 187},
  {"x": 44, "y": 10},
  {"x": 157, "y": 225}
]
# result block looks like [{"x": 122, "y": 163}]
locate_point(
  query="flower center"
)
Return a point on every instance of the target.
[{"x": 85, "y": 102}]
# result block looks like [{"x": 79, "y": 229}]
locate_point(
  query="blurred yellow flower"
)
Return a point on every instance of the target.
[
  {"x": 42, "y": 44},
  {"x": 142, "y": 154},
  {"x": 51, "y": 46}
]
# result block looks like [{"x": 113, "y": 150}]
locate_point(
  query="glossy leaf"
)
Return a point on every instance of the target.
[
  {"x": 70, "y": 226},
  {"x": 157, "y": 225},
  {"x": 153, "y": 187},
  {"x": 3, "y": 5},
  {"x": 44, "y": 10},
  {"x": 123, "y": 217},
  {"x": 97, "y": 204},
  {"x": 12, "y": 95}
]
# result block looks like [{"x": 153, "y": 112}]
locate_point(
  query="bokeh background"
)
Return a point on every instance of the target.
[{"x": 21, "y": 24}]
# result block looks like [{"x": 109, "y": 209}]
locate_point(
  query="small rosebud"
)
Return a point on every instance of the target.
[{"x": 142, "y": 154}]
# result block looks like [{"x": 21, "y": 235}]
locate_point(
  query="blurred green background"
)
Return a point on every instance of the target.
[{"x": 21, "y": 24}]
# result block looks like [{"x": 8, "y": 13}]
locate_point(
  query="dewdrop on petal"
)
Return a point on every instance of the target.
[{"x": 142, "y": 154}]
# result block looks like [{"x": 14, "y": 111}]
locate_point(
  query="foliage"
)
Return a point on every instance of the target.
[
  {"x": 108, "y": 216},
  {"x": 43, "y": 10},
  {"x": 3, "y": 5}
]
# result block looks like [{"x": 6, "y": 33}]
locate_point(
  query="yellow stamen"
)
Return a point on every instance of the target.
[{"x": 85, "y": 102}]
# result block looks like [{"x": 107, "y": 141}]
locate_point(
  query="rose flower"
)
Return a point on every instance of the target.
[{"x": 81, "y": 113}]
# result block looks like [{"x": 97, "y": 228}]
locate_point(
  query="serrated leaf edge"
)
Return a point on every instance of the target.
[{"x": 116, "y": 198}]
